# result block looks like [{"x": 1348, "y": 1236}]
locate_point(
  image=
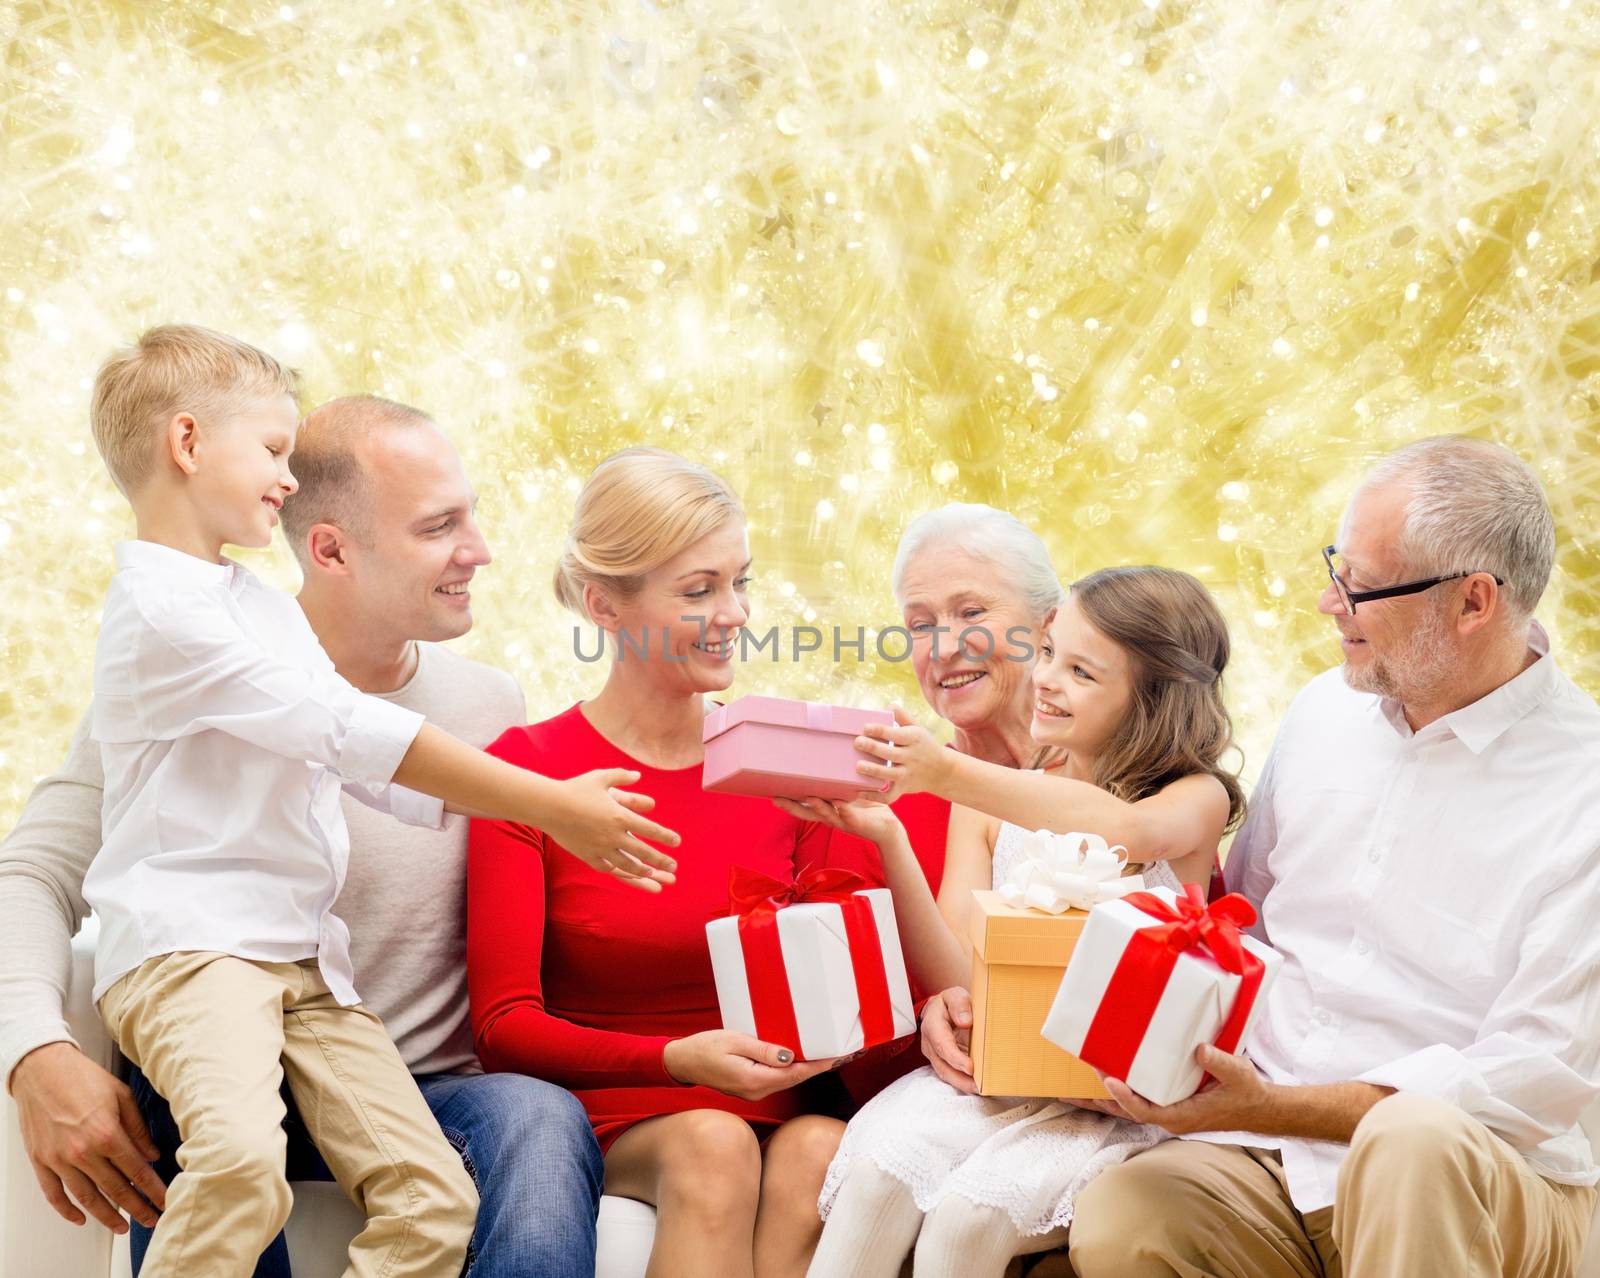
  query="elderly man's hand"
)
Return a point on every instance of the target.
[
  {"x": 1234, "y": 1098},
  {"x": 1100, "y": 1105},
  {"x": 82, "y": 1130},
  {"x": 947, "y": 1037}
]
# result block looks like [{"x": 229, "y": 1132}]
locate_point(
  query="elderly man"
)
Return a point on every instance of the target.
[
  {"x": 1424, "y": 848},
  {"x": 383, "y": 528}
]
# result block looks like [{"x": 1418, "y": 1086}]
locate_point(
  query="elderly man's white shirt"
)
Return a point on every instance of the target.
[
  {"x": 225, "y": 734},
  {"x": 1434, "y": 895}
]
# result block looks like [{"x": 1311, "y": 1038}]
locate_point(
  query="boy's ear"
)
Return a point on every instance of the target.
[{"x": 183, "y": 442}]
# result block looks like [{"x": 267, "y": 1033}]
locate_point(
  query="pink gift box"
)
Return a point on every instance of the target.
[{"x": 778, "y": 747}]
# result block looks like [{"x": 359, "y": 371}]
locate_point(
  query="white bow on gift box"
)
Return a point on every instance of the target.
[{"x": 1060, "y": 872}]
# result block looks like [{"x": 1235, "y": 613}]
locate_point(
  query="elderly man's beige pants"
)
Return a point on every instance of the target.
[
  {"x": 1426, "y": 1192},
  {"x": 209, "y": 1031}
]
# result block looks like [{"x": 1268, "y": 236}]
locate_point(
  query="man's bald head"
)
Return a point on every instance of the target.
[
  {"x": 330, "y": 463},
  {"x": 383, "y": 525}
]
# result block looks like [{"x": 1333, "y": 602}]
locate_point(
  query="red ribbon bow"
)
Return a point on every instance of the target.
[
  {"x": 1141, "y": 975},
  {"x": 756, "y": 898},
  {"x": 1197, "y": 924},
  {"x": 751, "y": 892}
]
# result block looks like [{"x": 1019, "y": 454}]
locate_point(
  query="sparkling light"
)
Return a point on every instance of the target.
[{"x": 1162, "y": 278}]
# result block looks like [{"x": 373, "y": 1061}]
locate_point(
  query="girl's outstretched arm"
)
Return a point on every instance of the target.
[{"x": 1182, "y": 823}]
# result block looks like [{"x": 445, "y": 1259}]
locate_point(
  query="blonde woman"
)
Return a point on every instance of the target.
[{"x": 571, "y": 980}]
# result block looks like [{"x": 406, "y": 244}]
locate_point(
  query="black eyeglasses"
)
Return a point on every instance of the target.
[{"x": 1350, "y": 598}]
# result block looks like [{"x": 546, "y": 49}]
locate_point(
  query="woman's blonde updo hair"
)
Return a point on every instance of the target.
[{"x": 639, "y": 508}]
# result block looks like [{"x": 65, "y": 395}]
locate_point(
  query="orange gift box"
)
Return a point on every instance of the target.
[{"x": 1018, "y": 957}]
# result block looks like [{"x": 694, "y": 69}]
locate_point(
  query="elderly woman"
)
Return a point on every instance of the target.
[{"x": 974, "y": 586}]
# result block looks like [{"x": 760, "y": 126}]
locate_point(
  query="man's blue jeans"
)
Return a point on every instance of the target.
[{"x": 526, "y": 1143}]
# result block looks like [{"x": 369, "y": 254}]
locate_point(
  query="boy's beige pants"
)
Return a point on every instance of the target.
[
  {"x": 1426, "y": 1191},
  {"x": 216, "y": 1035}
]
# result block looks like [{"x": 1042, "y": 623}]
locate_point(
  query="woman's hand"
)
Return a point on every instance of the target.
[
  {"x": 910, "y": 759},
  {"x": 868, "y": 818},
  {"x": 736, "y": 1064}
]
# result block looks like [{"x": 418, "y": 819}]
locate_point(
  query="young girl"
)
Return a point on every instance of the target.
[{"x": 1131, "y": 726}]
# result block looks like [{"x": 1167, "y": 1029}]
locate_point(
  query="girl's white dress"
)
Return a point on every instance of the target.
[{"x": 1028, "y": 1157}]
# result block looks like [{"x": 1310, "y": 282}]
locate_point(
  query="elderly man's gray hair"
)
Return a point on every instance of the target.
[
  {"x": 992, "y": 535},
  {"x": 1474, "y": 506}
]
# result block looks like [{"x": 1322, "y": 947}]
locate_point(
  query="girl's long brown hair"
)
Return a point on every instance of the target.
[{"x": 1176, "y": 722}]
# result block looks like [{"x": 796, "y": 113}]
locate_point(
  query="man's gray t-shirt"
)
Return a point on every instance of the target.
[{"x": 405, "y": 892}]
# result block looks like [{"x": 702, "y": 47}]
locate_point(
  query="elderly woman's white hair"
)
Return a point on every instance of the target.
[
  {"x": 993, "y": 536},
  {"x": 1474, "y": 507}
]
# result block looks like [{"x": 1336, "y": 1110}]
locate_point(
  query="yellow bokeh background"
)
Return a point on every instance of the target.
[{"x": 1160, "y": 277}]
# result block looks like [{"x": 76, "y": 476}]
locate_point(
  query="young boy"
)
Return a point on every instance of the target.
[{"x": 226, "y": 735}]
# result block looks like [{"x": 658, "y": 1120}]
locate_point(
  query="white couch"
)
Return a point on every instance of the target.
[{"x": 36, "y": 1243}]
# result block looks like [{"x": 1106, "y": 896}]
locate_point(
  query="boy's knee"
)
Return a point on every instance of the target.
[
  {"x": 557, "y": 1106},
  {"x": 249, "y": 1162},
  {"x": 280, "y": 1202},
  {"x": 452, "y": 1204},
  {"x": 258, "y": 1173}
]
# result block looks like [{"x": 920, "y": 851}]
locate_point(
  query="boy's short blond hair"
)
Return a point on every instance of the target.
[{"x": 176, "y": 368}]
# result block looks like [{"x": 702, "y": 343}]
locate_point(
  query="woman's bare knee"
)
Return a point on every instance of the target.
[
  {"x": 797, "y": 1157},
  {"x": 710, "y": 1163}
]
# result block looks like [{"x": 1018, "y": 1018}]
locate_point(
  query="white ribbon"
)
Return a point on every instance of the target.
[{"x": 1060, "y": 872}]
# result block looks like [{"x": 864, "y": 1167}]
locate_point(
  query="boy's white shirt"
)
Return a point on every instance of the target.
[
  {"x": 225, "y": 735},
  {"x": 410, "y": 965}
]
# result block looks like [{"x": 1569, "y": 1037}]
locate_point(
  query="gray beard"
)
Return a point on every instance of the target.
[{"x": 1413, "y": 675}]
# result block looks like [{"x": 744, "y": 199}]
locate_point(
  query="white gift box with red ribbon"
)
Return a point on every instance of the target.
[
  {"x": 815, "y": 966},
  {"x": 1153, "y": 976}
]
